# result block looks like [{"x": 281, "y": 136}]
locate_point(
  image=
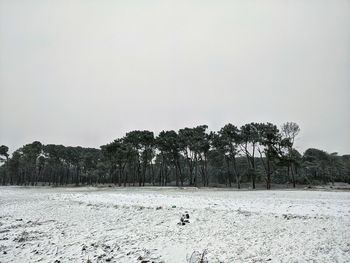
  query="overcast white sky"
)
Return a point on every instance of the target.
[{"x": 85, "y": 72}]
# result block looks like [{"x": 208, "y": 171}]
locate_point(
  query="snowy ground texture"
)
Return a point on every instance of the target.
[{"x": 141, "y": 225}]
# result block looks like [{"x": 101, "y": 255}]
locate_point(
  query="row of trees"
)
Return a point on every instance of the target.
[{"x": 251, "y": 154}]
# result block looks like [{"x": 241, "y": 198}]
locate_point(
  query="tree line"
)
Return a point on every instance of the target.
[{"x": 254, "y": 153}]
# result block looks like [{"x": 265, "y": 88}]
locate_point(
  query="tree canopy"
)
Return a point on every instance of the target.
[{"x": 247, "y": 155}]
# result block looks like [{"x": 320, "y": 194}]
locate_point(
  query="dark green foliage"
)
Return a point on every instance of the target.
[
  {"x": 4, "y": 152},
  {"x": 254, "y": 153}
]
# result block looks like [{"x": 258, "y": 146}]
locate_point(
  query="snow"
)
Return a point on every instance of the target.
[{"x": 141, "y": 225}]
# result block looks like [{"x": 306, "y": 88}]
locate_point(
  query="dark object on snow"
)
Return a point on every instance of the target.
[
  {"x": 198, "y": 257},
  {"x": 184, "y": 219},
  {"x": 142, "y": 259}
]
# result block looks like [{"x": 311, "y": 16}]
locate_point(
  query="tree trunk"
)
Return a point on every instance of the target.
[
  {"x": 293, "y": 176},
  {"x": 268, "y": 181},
  {"x": 176, "y": 176}
]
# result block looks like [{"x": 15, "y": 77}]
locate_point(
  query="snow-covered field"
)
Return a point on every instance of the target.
[{"x": 141, "y": 225}]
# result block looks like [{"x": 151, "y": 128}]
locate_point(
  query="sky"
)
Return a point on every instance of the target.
[{"x": 86, "y": 72}]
